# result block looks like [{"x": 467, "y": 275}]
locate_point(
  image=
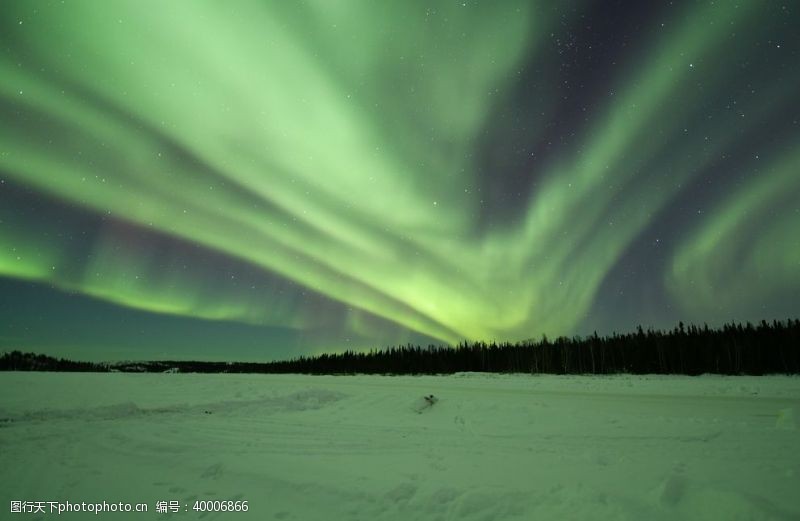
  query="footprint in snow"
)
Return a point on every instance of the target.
[{"x": 212, "y": 472}]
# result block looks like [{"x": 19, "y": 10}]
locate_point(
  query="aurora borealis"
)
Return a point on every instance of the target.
[{"x": 250, "y": 180}]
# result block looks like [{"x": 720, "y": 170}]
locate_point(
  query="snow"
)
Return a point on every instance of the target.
[{"x": 491, "y": 447}]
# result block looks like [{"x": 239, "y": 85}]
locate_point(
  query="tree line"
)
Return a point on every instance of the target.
[{"x": 732, "y": 349}]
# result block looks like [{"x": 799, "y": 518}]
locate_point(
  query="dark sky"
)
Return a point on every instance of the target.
[{"x": 259, "y": 180}]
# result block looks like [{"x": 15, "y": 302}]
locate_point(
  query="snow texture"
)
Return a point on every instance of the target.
[{"x": 490, "y": 447}]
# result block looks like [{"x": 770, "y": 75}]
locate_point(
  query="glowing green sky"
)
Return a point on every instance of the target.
[{"x": 295, "y": 177}]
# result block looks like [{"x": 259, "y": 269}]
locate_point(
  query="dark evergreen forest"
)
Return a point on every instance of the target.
[{"x": 733, "y": 349}]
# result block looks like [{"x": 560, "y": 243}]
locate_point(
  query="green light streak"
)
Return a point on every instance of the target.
[
  {"x": 330, "y": 144},
  {"x": 732, "y": 259}
]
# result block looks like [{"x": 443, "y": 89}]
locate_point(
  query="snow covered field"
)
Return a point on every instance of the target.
[{"x": 329, "y": 448}]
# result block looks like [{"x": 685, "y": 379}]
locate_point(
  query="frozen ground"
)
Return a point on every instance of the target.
[{"x": 335, "y": 448}]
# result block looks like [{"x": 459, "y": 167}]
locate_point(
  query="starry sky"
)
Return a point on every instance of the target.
[{"x": 260, "y": 180}]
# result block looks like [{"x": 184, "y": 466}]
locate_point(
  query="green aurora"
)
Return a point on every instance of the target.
[{"x": 297, "y": 177}]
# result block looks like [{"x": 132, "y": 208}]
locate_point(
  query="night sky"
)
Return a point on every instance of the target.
[{"x": 259, "y": 180}]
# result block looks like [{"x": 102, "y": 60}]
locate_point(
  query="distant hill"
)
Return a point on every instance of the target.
[{"x": 19, "y": 361}]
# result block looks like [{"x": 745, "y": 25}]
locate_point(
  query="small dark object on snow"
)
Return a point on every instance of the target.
[{"x": 425, "y": 404}]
